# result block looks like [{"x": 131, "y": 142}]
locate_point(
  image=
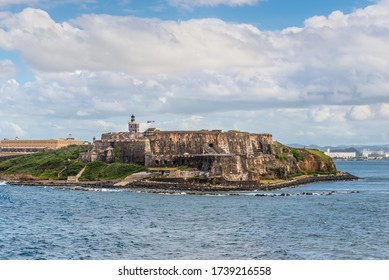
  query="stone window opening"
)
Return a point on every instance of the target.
[
  {"x": 157, "y": 162},
  {"x": 210, "y": 145}
]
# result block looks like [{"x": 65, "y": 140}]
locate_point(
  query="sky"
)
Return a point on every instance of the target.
[{"x": 308, "y": 72}]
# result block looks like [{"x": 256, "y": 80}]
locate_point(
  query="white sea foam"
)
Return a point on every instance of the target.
[
  {"x": 171, "y": 193},
  {"x": 3, "y": 183}
]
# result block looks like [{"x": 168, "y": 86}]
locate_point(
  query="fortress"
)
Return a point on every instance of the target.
[
  {"x": 217, "y": 155},
  {"x": 34, "y": 146}
]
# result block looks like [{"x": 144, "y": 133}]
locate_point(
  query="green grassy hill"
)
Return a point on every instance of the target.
[
  {"x": 59, "y": 164},
  {"x": 99, "y": 170}
]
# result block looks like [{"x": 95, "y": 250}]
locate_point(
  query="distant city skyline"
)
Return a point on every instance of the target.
[{"x": 308, "y": 72}]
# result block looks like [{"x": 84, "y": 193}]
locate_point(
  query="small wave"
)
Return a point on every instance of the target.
[
  {"x": 304, "y": 194},
  {"x": 79, "y": 188},
  {"x": 216, "y": 194},
  {"x": 3, "y": 183},
  {"x": 170, "y": 193},
  {"x": 101, "y": 190}
]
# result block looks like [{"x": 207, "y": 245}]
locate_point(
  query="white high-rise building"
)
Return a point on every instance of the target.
[{"x": 344, "y": 155}]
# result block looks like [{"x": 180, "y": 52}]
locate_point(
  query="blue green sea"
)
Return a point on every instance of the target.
[{"x": 337, "y": 220}]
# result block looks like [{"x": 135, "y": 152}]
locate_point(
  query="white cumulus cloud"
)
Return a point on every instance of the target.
[
  {"x": 197, "y": 3},
  {"x": 4, "y": 3},
  {"x": 129, "y": 44},
  {"x": 7, "y": 69},
  {"x": 333, "y": 114},
  {"x": 12, "y": 129},
  {"x": 384, "y": 110},
  {"x": 333, "y": 70},
  {"x": 361, "y": 112},
  {"x": 16, "y": 2}
]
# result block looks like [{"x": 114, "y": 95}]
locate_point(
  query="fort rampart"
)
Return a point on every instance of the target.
[
  {"x": 218, "y": 154},
  {"x": 31, "y": 146}
]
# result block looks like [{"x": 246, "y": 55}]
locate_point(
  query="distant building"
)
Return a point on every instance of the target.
[
  {"x": 366, "y": 153},
  {"x": 340, "y": 154},
  {"x": 33, "y": 146},
  {"x": 149, "y": 132}
]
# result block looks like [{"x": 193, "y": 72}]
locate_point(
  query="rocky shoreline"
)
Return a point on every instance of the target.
[
  {"x": 209, "y": 188},
  {"x": 189, "y": 188}
]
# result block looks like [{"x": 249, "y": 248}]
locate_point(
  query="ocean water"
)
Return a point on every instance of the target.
[{"x": 341, "y": 220}]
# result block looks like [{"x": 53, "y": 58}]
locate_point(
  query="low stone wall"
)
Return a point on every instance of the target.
[
  {"x": 173, "y": 187},
  {"x": 245, "y": 183},
  {"x": 235, "y": 186},
  {"x": 167, "y": 180},
  {"x": 314, "y": 179}
]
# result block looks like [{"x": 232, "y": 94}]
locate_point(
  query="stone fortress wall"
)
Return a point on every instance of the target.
[
  {"x": 30, "y": 146},
  {"x": 219, "y": 154},
  {"x": 232, "y": 155}
]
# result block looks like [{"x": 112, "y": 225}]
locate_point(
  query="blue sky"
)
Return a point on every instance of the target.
[
  {"x": 309, "y": 72},
  {"x": 265, "y": 14}
]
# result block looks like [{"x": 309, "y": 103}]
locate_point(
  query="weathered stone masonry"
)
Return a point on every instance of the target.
[
  {"x": 230, "y": 156},
  {"x": 218, "y": 154}
]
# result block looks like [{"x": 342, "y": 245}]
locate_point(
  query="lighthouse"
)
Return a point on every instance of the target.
[{"x": 133, "y": 126}]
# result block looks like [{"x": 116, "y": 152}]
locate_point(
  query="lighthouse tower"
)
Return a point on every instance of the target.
[{"x": 133, "y": 126}]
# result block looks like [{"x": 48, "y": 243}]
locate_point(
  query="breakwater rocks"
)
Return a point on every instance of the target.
[
  {"x": 343, "y": 176},
  {"x": 62, "y": 183},
  {"x": 302, "y": 194},
  {"x": 209, "y": 188},
  {"x": 193, "y": 188}
]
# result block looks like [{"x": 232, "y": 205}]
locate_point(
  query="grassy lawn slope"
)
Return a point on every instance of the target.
[{"x": 59, "y": 164}]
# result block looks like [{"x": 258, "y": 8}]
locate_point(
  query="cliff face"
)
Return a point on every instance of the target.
[
  {"x": 230, "y": 156},
  {"x": 289, "y": 161}
]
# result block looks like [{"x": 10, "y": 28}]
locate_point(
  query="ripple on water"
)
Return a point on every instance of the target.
[{"x": 48, "y": 223}]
